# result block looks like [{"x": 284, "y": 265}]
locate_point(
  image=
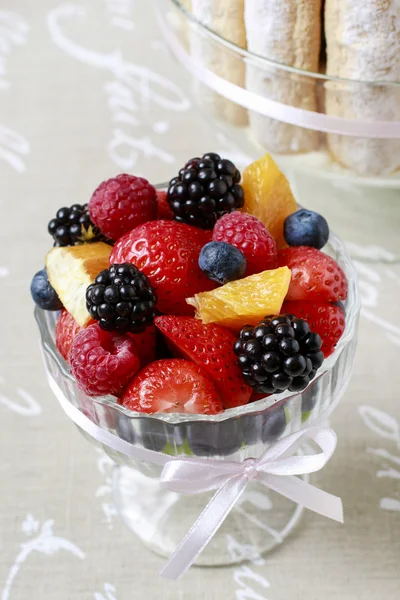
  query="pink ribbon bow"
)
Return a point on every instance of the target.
[{"x": 276, "y": 469}]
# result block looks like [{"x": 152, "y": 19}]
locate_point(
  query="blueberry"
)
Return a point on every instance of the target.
[
  {"x": 274, "y": 424},
  {"x": 306, "y": 228},
  {"x": 43, "y": 294},
  {"x": 222, "y": 262},
  {"x": 209, "y": 439}
]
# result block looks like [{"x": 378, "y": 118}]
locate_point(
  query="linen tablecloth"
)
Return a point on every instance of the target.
[{"x": 88, "y": 90}]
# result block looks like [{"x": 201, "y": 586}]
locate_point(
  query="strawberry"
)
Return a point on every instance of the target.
[
  {"x": 145, "y": 344},
  {"x": 163, "y": 208},
  {"x": 66, "y": 330},
  {"x": 172, "y": 385},
  {"x": 210, "y": 347},
  {"x": 325, "y": 319},
  {"x": 167, "y": 252},
  {"x": 315, "y": 275}
]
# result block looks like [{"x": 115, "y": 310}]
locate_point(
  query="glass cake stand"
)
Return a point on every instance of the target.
[{"x": 323, "y": 131}]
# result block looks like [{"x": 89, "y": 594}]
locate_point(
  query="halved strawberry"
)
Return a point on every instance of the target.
[
  {"x": 172, "y": 385},
  {"x": 163, "y": 208},
  {"x": 66, "y": 330},
  {"x": 145, "y": 343},
  {"x": 210, "y": 347},
  {"x": 315, "y": 275},
  {"x": 167, "y": 252},
  {"x": 325, "y": 319}
]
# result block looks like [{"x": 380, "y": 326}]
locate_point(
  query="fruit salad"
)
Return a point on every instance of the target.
[{"x": 201, "y": 298}]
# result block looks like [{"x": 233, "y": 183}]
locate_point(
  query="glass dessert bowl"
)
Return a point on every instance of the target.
[
  {"x": 336, "y": 138},
  {"x": 160, "y": 518}
]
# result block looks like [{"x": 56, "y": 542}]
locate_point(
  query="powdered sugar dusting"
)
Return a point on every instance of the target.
[{"x": 363, "y": 43}]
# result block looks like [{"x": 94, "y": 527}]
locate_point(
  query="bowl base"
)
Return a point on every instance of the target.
[{"x": 260, "y": 520}]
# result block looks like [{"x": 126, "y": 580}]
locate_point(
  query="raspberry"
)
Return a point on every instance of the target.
[
  {"x": 66, "y": 329},
  {"x": 102, "y": 362},
  {"x": 122, "y": 203},
  {"x": 163, "y": 208},
  {"x": 249, "y": 235}
]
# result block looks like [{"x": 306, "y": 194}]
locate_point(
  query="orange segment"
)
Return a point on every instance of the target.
[
  {"x": 71, "y": 269},
  {"x": 245, "y": 301},
  {"x": 268, "y": 195}
]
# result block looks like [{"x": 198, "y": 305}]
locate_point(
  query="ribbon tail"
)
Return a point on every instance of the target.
[
  {"x": 306, "y": 495},
  {"x": 209, "y": 521}
]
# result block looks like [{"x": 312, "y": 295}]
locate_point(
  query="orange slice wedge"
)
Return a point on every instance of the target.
[
  {"x": 245, "y": 301},
  {"x": 71, "y": 269},
  {"x": 268, "y": 196}
]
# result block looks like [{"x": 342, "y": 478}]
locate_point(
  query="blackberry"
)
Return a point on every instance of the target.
[
  {"x": 73, "y": 226},
  {"x": 121, "y": 299},
  {"x": 205, "y": 189},
  {"x": 279, "y": 353}
]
